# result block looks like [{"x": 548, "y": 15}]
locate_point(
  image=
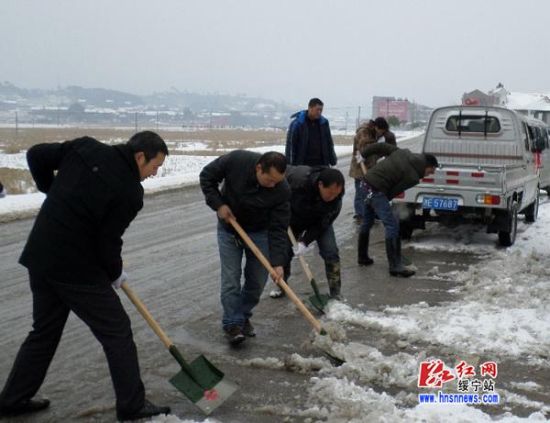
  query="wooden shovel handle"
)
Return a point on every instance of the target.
[
  {"x": 303, "y": 262},
  {"x": 363, "y": 168},
  {"x": 289, "y": 293},
  {"x": 146, "y": 315}
]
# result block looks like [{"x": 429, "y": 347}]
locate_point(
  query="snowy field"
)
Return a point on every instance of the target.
[{"x": 179, "y": 170}]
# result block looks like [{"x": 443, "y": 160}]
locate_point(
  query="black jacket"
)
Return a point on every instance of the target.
[
  {"x": 309, "y": 212},
  {"x": 255, "y": 207},
  {"x": 96, "y": 193},
  {"x": 297, "y": 141},
  {"x": 399, "y": 171}
]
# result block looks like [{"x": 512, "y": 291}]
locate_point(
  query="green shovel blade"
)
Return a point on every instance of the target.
[
  {"x": 203, "y": 384},
  {"x": 319, "y": 302}
]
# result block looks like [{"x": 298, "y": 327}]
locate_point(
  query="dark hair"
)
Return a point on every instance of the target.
[
  {"x": 272, "y": 159},
  {"x": 315, "y": 102},
  {"x": 330, "y": 176},
  {"x": 149, "y": 143},
  {"x": 431, "y": 160},
  {"x": 381, "y": 123}
]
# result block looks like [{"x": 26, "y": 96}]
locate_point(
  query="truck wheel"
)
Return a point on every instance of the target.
[
  {"x": 532, "y": 211},
  {"x": 507, "y": 238},
  {"x": 405, "y": 230}
]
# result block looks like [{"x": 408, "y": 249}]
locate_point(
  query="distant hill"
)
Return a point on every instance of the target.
[{"x": 174, "y": 98}]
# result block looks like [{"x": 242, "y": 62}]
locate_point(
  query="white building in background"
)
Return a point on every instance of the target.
[{"x": 535, "y": 105}]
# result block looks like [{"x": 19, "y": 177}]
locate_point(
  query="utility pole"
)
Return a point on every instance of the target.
[
  {"x": 346, "y": 130},
  {"x": 136, "y": 121},
  {"x": 157, "y": 120},
  {"x": 16, "y": 125},
  {"x": 358, "y": 116}
]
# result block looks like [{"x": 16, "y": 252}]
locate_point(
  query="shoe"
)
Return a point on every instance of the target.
[
  {"x": 277, "y": 293},
  {"x": 393, "y": 251},
  {"x": 248, "y": 329},
  {"x": 24, "y": 407},
  {"x": 234, "y": 334},
  {"x": 148, "y": 410},
  {"x": 363, "y": 258}
]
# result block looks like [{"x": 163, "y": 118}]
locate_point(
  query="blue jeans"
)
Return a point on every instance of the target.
[
  {"x": 359, "y": 199},
  {"x": 377, "y": 204},
  {"x": 238, "y": 301}
]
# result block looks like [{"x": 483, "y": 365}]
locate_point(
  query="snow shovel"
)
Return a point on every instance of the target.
[
  {"x": 289, "y": 292},
  {"x": 319, "y": 301},
  {"x": 199, "y": 381}
]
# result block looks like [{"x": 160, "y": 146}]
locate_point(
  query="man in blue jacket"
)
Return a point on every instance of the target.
[{"x": 308, "y": 141}]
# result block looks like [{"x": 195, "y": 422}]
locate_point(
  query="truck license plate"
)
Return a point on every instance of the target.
[{"x": 438, "y": 203}]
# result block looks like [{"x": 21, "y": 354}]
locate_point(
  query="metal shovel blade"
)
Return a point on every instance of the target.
[
  {"x": 203, "y": 384},
  {"x": 319, "y": 302}
]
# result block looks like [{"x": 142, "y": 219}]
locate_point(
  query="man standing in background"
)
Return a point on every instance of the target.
[
  {"x": 383, "y": 133},
  {"x": 309, "y": 141}
]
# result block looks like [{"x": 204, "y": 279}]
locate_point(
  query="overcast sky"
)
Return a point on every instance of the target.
[{"x": 341, "y": 51}]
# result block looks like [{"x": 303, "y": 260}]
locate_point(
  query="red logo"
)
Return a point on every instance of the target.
[
  {"x": 211, "y": 395},
  {"x": 464, "y": 370},
  {"x": 489, "y": 368},
  {"x": 433, "y": 374}
]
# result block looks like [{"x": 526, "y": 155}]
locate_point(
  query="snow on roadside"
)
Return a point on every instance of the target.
[
  {"x": 503, "y": 310},
  {"x": 179, "y": 170},
  {"x": 170, "y": 418}
]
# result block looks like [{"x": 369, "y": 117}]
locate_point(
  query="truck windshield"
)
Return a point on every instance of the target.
[{"x": 469, "y": 123}]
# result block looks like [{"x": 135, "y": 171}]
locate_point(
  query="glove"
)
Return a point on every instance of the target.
[
  {"x": 301, "y": 249},
  {"x": 359, "y": 158},
  {"x": 122, "y": 278}
]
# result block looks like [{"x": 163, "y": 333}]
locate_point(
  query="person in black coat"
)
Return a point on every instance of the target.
[
  {"x": 73, "y": 255},
  {"x": 315, "y": 203},
  {"x": 308, "y": 140},
  {"x": 255, "y": 193}
]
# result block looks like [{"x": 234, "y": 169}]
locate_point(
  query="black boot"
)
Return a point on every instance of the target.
[
  {"x": 393, "y": 251},
  {"x": 148, "y": 410},
  {"x": 334, "y": 280},
  {"x": 363, "y": 258},
  {"x": 24, "y": 407}
]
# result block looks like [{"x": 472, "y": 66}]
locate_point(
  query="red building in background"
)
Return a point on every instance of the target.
[{"x": 391, "y": 106}]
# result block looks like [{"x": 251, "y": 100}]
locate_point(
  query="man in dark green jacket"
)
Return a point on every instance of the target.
[{"x": 399, "y": 171}]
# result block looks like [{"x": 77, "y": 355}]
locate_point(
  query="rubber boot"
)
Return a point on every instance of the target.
[
  {"x": 363, "y": 258},
  {"x": 393, "y": 251},
  {"x": 334, "y": 280}
]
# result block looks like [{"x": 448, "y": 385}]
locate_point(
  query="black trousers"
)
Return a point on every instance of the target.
[{"x": 100, "y": 308}]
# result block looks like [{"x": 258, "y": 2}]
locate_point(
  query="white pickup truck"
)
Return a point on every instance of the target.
[{"x": 489, "y": 171}]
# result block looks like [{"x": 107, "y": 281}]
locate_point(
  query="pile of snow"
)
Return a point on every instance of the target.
[
  {"x": 170, "y": 418},
  {"x": 507, "y": 292}
]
